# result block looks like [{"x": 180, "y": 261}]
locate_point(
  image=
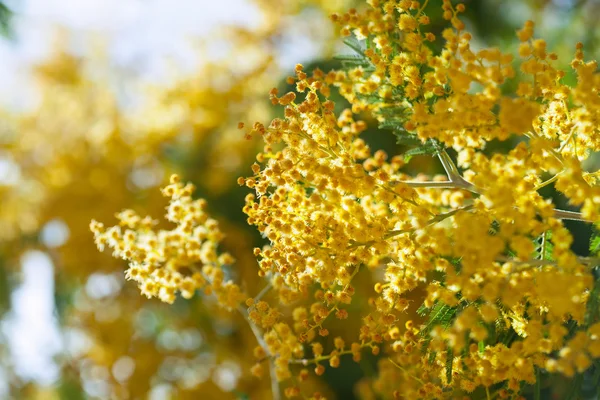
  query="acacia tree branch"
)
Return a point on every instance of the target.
[
  {"x": 590, "y": 261},
  {"x": 456, "y": 181},
  {"x": 570, "y": 215},
  {"x": 275, "y": 390},
  {"x": 437, "y": 185},
  {"x": 264, "y": 291},
  {"x": 452, "y": 171}
]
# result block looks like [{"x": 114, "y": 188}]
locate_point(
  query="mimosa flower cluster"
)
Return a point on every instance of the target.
[
  {"x": 480, "y": 252},
  {"x": 180, "y": 260}
]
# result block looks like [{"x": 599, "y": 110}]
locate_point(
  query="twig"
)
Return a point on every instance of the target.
[
  {"x": 275, "y": 390},
  {"x": 549, "y": 181},
  {"x": 264, "y": 291},
  {"x": 432, "y": 221},
  {"x": 405, "y": 371},
  {"x": 452, "y": 172},
  {"x": 316, "y": 360},
  {"x": 455, "y": 179},
  {"x": 276, "y": 393},
  {"x": 539, "y": 263},
  {"x": 570, "y": 215},
  {"x": 433, "y": 184}
]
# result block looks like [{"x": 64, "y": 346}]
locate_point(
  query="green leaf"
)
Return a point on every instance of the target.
[
  {"x": 350, "y": 57},
  {"x": 449, "y": 359},
  {"x": 355, "y": 45},
  {"x": 393, "y": 111},
  {"x": 6, "y": 15},
  {"x": 575, "y": 388},
  {"x": 537, "y": 389},
  {"x": 427, "y": 149},
  {"x": 422, "y": 311},
  {"x": 508, "y": 337},
  {"x": 432, "y": 354},
  {"x": 369, "y": 98},
  {"x": 571, "y": 327},
  {"x": 545, "y": 247},
  {"x": 353, "y": 61},
  {"x": 407, "y": 139},
  {"x": 392, "y": 124},
  {"x": 596, "y": 376},
  {"x": 441, "y": 314},
  {"x": 595, "y": 243},
  {"x": 592, "y": 314}
]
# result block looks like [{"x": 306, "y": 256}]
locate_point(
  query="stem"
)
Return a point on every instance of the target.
[
  {"x": 549, "y": 181},
  {"x": 570, "y": 215},
  {"x": 539, "y": 263},
  {"x": 254, "y": 329},
  {"x": 558, "y": 156},
  {"x": 264, "y": 291},
  {"x": 432, "y": 221},
  {"x": 543, "y": 247},
  {"x": 405, "y": 371},
  {"x": 433, "y": 184},
  {"x": 307, "y": 361},
  {"x": 275, "y": 392},
  {"x": 337, "y": 303},
  {"x": 452, "y": 171},
  {"x": 559, "y": 214},
  {"x": 455, "y": 179},
  {"x": 447, "y": 163}
]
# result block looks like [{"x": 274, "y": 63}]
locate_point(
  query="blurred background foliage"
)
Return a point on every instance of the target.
[
  {"x": 5, "y": 15},
  {"x": 98, "y": 140}
]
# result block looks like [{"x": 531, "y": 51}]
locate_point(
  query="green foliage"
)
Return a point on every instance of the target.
[
  {"x": 402, "y": 136},
  {"x": 591, "y": 377},
  {"x": 595, "y": 243},
  {"x": 440, "y": 314},
  {"x": 426, "y": 149},
  {"x": 537, "y": 390},
  {"x": 352, "y": 60},
  {"x": 394, "y": 118},
  {"x": 6, "y": 15},
  {"x": 595, "y": 380},
  {"x": 5, "y": 285},
  {"x": 593, "y": 306},
  {"x": 574, "y": 390},
  {"x": 449, "y": 359},
  {"x": 70, "y": 388},
  {"x": 406, "y": 139},
  {"x": 355, "y": 45},
  {"x": 355, "y": 60},
  {"x": 545, "y": 248}
]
